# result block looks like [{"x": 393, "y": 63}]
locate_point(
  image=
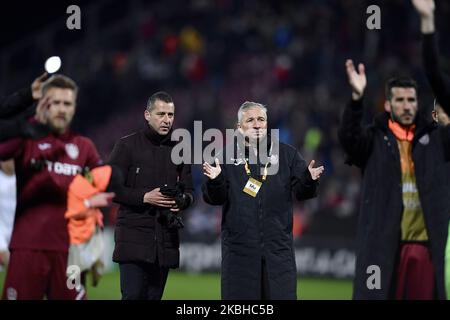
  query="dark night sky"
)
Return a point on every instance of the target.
[{"x": 20, "y": 19}]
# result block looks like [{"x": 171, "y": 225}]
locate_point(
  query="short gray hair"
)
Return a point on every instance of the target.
[{"x": 248, "y": 105}]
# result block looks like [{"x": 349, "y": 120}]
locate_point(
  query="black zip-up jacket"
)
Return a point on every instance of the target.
[{"x": 142, "y": 232}]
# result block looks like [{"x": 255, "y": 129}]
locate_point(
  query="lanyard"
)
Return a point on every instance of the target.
[
  {"x": 249, "y": 173},
  {"x": 247, "y": 168}
]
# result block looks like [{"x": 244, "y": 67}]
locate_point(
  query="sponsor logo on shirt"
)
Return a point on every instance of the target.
[
  {"x": 44, "y": 146},
  {"x": 66, "y": 169},
  {"x": 237, "y": 161}
]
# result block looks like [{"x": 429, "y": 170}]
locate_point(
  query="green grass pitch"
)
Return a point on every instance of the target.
[{"x": 206, "y": 286}]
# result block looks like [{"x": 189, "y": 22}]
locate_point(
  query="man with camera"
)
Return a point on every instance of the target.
[{"x": 155, "y": 191}]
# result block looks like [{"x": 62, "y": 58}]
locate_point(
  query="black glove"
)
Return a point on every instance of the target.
[
  {"x": 173, "y": 220},
  {"x": 181, "y": 199},
  {"x": 177, "y": 193}
]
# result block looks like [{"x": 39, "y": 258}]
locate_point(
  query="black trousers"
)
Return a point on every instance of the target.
[{"x": 142, "y": 281}]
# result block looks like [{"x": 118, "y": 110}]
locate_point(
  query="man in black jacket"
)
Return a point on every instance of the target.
[
  {"x": 155, "y": 191},
  {"x": 405, "y": 205},
  {"x": 440, "y": 83},
  {"x": 258, "y": 260}
]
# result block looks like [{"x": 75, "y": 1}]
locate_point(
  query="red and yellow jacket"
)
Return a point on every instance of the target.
[{"x": 83, "y": 220}]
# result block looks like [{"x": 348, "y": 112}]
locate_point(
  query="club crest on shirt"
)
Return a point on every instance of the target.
[
  {"x": 273, "y": 159},
  {"x": 72, "y": 151},
  {"x": 425, "y": 139}
]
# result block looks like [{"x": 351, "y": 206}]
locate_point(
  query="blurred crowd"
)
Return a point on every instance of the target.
[{"x": 211, "y": 56}]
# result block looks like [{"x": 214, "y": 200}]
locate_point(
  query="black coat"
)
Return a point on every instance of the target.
[
  {"x": 142, "y": 233},
  {"x": 374, "y": 149},
  {"x": 15, "y": 111},
  {"x": 253, "y": 228}
]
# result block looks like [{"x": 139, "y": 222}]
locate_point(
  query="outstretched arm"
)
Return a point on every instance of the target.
[
  {"x": 304, "y": 179},
  {"x": 19, "y": 101},
  {"x": 440, "y": 82},
  {"x": 354, "y": 138},
  {"x": 215, "y": 189}
]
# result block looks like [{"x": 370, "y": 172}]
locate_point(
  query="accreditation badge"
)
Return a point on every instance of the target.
[{"x": 252, "y": 187}]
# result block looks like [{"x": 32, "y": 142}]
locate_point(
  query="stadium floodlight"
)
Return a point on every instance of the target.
[{"x": 53, "y": 64}]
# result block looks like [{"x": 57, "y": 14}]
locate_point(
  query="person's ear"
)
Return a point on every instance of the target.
[
  {"x": 147, "y": 115},
  {"x": 238, "y": 125},
  {"x": 434, "y": 115},
  {"x": 387, "y": 106}
]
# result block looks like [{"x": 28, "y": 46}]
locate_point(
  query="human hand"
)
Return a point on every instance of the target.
[
  {"x": 210, "y": 171},
  {"x": 101, "y": 199},
  {"x": 357, "y": 81},
  {"x": 36, "y": 86},
  {"x": 315, "y": 172},
  {"x": 156, "y": 198}
]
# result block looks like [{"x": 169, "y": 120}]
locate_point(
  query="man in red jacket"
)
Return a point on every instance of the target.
[{"x": 44, "y": 168}]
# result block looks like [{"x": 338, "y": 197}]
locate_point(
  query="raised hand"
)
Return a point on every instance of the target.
[
  {"x": 356, "y": 79},
  {"x": 210, "y": 171},
  {"x": 424, "y": 7},
  {"x": 36, "y": 86},
  {"x": 315, "y": 172}
]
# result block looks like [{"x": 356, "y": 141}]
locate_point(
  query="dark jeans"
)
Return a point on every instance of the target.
[{"x": 142, "y": 281}]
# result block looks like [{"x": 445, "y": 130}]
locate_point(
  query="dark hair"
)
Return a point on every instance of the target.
[
  {"x": 399, "y": 82},
  {"x": 160, "y": 95},
  {"x": 59, "y": 81}
]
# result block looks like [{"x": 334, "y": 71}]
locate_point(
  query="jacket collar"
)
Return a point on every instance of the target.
[
  {"x": 245, "y": 147},
  {"x": 65, "y": 136},
  {"x": 423, "y": 125},
  {"x": 155, "y": 137},
  {"x": 400, "y": 132}
]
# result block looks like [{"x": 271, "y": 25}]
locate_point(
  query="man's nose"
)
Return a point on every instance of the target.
[
  {"x": 408, "y": 106},
  {"x": 60, "y": 108}
]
